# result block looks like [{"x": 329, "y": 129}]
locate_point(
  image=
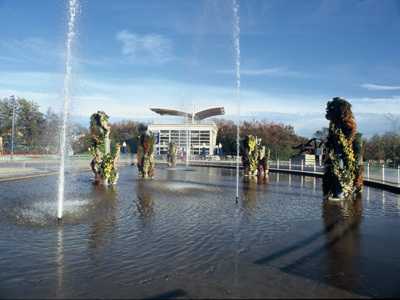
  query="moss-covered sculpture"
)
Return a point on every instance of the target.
[
  {"x": 145, "y": 155},
  {"x": 104, "y": 162},
  {"x": 343, "y": 167},
  {"x": 172, "y": 154},
  {"x": 254, "y": 159}
]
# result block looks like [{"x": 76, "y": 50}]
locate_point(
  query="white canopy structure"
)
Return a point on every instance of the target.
[{"x": 197, "y": 116}]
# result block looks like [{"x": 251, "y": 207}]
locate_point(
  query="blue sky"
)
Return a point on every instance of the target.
[{"x": 295, "y": 56}]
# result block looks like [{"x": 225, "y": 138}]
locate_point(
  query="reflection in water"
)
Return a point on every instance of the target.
[
  {"x": 398, "y": 204},
  {"x": 250, "y": 188},
  {"x": 171, "y": 175},
  {"x": 144, "y": 201},
  {"x": 127, "y": 240},
  {"x": 103, "y": 227},
  {"x": 60, "y": 261},
  {"x": 383, "y": 200},
  {"x": 294, "y": 179},
  {"x": 342, "y": 221}
]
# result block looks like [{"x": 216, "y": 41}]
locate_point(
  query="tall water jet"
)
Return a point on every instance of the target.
[
  {"x": 236, "y": 38},
  {"x": 187, "y": 152},
  {"x": 187, "y": 138},
  {"x": 72, "y": 14}
]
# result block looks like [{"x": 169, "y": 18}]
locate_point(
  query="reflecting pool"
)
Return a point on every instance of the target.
[{"x": 182, "y": 235}]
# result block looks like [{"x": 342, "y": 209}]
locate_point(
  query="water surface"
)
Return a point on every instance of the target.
[{"x": 182, "y": 235}]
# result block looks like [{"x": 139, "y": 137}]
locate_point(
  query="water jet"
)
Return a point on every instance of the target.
[{"x": 73, "y": 11}]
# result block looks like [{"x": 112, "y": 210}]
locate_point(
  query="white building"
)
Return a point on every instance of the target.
[{"x": 201, "y": 134}]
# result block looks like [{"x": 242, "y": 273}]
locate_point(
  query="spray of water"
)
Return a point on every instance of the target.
[
  {"x": 187, "y": 130},
  {"x": 73, "y": 10},
  {"x": 236, "y": 37}
]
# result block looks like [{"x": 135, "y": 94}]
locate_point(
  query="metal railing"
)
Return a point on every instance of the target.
[
  {"x": 379, "y": 172},
  {"x": 36, "y": 164},
  {"x": 44, "y": 164}
]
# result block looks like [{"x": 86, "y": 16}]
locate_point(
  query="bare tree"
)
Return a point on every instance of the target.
[{"x": 394, "y": 122}]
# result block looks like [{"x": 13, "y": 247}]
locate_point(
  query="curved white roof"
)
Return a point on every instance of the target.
[{"x": 198, "y": 115}]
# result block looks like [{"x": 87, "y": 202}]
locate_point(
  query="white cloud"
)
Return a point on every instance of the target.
[
  {"x": 272, "y": 72},
  {"x": 275, "y": 72},
  {"x": 375, "y": 87},
  {"x": 32, "y": 49},
  {"x": 131, "y": 97},
  {"x": 6, "y": 58},
  {"x": 149, "y": 48},
  {"x": 376, "y": 105},
  {"x": 44, "y": 100}
]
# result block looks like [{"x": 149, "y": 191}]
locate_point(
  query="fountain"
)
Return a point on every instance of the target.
[
  {"x": 236, "y": 36},
  {"x": 187, "y": 152},
  {"x": 180, "y": 236},
  {"x": 73, "y": 11}
]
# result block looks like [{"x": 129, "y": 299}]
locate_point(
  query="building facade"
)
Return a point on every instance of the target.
[{"x": 193, "y": 134}]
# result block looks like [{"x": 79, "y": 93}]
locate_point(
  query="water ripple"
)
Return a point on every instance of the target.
[{"x": 145, "y": 230}]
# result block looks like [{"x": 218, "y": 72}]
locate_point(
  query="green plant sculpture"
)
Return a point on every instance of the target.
[
  {"x": 145, "y": 155},
  {"x": 343, "y": 166},
  {"x": 172, "y": 154},
  {"x": 105, "y": 152},
  {"x": 254, "y": 159}
]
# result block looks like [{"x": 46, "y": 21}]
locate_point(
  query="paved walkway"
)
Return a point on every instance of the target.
[{"x": 27, "y": 167}]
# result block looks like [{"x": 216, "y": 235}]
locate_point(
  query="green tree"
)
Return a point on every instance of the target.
[
  {"x": 279, "y": 138},
  {"x": 127, "y": 131},
  {"x": 6, "y": 115},
  {"x": 227, "y": 132},
  {"x": 394, "y": 141},
  {"x": 80, "y": 138},
  {"x": 377, "y": 145},
  {"x": 367, "y": 150},
  {"x": 321, "y": 134},
  {"x": 30, "y": 123},
  {"x": 50, "y": 139},
  {"x": 275, "y": 136}
]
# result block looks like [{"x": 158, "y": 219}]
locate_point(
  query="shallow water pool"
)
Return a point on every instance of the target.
[{"x": 182, "y": 235}]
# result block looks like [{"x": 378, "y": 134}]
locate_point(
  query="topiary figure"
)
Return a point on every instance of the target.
[
  {"x": 104, "y": 165},
  {"x": 343, "y": 166},
  {"x": 145, "y": 155}
]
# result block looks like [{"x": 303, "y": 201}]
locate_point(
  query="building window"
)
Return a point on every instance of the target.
[{"x": 205, "y": 137}]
